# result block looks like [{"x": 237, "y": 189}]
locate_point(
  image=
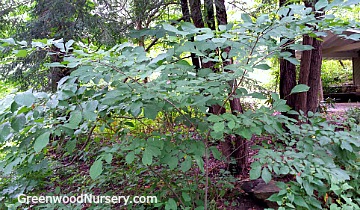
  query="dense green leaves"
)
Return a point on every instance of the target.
[{"x": 144, "y": 117}]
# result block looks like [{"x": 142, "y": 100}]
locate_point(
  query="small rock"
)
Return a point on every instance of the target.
[{"x": 263, "y": 191}]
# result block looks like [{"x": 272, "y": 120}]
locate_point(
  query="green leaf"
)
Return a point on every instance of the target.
[
  {"x": 214, "y": 118},
  {"x": 256, "y": 130},
  {"x": 96, "y": 169},
  {"x": 68, "y": 44},
  {"x": 135, "y": 108},
  {"x": 21, "y": 53},
  {"x": 169, "y": 27},
  {"x": 130, "y": 157},
  {"x": 266, "y": 175},
  {"x": 262, "y": 66},
  {"x": 172, "y": 162},
  {"x": 151, "y": 111},
  {"x": 147, "y": 157},
  {"x": 246, "y": 18},
  {"x": 282, "y": 108},
  {"x": 299, "y": 89},
  {"x": 323, "y": 140},
  {"x": 18, "y": 122},
  {"x": 300, "y": 202},
  {"x": 108, "y": 158},
  {"x": 41, "y": 141},
  {"x": 200, "y": 162},
  {"x": 186, "y": 165},
  {"x": 75, "y": 119},
  {"x": 231, "y": 124},
  {"x": 70, "y": 146},
  {"x": 204, "y": 37},
  {"x": 5, "y": 132},
  {"x": 9, "y": 41},
  {"x": 219, "y": 127},
  {"x": 255, "y": 171},
  {"x": 90, "y": 115},
  {"x": 308, "y": 188},
  {"x": 244, "y": 132},
  {"x": 171, "y": 205},
  {"x": 321, "y": 4},
  {"x": 258, "y": 95},
  {"x": 57, "y": 190},
  {"x": 292, "y": 60},
  {"x": 346, "y": 145},
  {"x": 186, "y": 197},
  {"x": 24, "y": 99},
  {"x": 91, "y": 106},
  {"x": 217, "y": 155},
  {"x": 284, "y": 170}
]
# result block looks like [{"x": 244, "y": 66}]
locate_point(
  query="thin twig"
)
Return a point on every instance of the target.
[
  {"x": 82, "y": 148},
  {"x": 167, "y": 184}
]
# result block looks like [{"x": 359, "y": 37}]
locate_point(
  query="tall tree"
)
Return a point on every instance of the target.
[
  {"x": 310, "y": 69},
  {"x": 100, "y": 23},
  {"x": 287, "y": 72}
]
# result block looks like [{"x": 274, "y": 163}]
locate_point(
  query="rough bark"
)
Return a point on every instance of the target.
[
  {"x": 57, "y": 73},
  {"x": 221, "y": 15},
  {"x": 196, "y": 14},
  {"x": 310, "y": 71},
  {"x": 210, "y": 20},
  {"x": 314, "y": 77},
  {"x": 287, "y": 80},
  {"x": 304, "y": 74},
  {"x": 185, "y": 10}
]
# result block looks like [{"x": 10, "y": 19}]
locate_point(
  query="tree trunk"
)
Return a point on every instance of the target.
[
  {"x": 240, "y": 150},
  {"x": 210, "y": 20},
  {"x": 310, "y": 71},
  {"x": 287, "y": 80},
  {"x": 221, "y": 15},
  {"x": 287, "y": 74},
  {"x": 304, "y": 74},
  {"x": 186, "y": 16},
  {"x": 314, "y": 77},
  {"x": 196, "y": 14},
  {"x": 57, "y": 73}
]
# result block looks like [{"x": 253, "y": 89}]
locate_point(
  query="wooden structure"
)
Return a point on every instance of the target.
[
  {"x": 343, "y": 47},
  {"x": 340, "y": 47}
]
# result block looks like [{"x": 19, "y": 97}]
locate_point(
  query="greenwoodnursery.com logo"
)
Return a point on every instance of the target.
[{"x": 86, "y": 198}]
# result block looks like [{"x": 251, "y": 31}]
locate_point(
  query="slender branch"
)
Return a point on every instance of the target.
[
  {"x": 157, "y": 39},
  {"x": 81, "y": 149},
  {"x": 167, "y": 184}
]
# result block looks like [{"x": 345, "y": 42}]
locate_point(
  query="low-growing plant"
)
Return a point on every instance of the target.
[
  {"x": 354, "y": 113},
  {"x": 323, "y": 161}
]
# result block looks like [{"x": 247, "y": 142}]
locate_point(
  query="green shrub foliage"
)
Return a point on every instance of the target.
[{"x": 159, "y": 135}]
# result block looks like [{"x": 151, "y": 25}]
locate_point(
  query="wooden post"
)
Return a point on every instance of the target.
[{"x": 356, "y": 71}]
